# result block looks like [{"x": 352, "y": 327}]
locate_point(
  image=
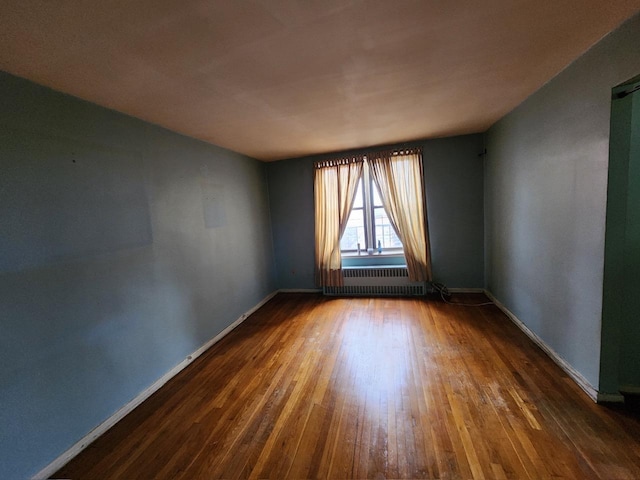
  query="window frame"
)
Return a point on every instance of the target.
[{"x": 368, "y": 208}]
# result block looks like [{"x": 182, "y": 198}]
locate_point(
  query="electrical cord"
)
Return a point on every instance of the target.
[{"x": 445, "y": 294}]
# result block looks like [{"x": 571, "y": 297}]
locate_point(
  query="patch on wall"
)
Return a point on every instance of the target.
[{"x": 62, "y": 199}]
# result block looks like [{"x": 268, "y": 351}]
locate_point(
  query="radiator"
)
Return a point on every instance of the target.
[{"x": 378, "y": 281}]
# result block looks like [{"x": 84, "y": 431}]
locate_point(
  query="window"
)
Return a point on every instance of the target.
[
  {"x": 398, "y": 175},
  {"x": 368, "y": 226}
]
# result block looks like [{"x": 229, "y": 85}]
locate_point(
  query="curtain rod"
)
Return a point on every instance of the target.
[{"x": 360, "y": 157}]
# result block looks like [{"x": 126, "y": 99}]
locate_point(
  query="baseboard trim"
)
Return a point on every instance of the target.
[
  {"x": 629, "y": 389},
  {"x": 466, "y": 290},
  {"x": 609, "y": 398},
  {"x": 300, "y": 290},
  {"x": 576, "y": 376},
  {"x": 101, "y": 429}
]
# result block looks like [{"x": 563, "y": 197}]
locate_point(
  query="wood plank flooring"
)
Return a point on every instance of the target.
[{"x": 315, "y": 387}]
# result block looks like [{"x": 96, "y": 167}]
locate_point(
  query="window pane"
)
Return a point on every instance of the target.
[
  {"x": 354, "y": 233},
  {"x": 376, "y": 195},
  {"x": 384, "y": 231},
  {"x": 357, "y": 203}
]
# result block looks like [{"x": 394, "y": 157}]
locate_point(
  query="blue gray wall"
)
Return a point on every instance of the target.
[
  {"x": 545, "y": 201},
  {"x": 454, "y": 189},
  {"x": 123, "y": 249}
]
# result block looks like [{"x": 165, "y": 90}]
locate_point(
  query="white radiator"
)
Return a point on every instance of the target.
[{"x": 378, "y": 281}]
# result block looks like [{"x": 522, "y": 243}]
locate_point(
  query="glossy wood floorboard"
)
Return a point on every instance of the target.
[{"x": 315, "y": 387}]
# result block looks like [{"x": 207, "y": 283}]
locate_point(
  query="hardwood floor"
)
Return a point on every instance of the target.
[{"x": 315, "y": 387}]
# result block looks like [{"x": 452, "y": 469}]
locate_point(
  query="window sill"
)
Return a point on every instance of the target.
[
  {"x": 364, "y": 254},
  {"x": 389, "y": 258}
]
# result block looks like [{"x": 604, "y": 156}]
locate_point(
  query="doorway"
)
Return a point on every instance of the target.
[{"x": 620, "y": 349}]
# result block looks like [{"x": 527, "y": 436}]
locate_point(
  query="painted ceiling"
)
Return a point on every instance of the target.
[{"x": 277, "y": 79}]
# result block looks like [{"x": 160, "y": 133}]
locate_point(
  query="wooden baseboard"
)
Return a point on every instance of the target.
[
  {"x": 576, "y": 376},
  {"x": 90, "y": 437}
]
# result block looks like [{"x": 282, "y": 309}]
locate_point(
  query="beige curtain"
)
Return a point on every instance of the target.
[
  {"x": 399, "y": 178},
  {"x": 335, "y": 184}
]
